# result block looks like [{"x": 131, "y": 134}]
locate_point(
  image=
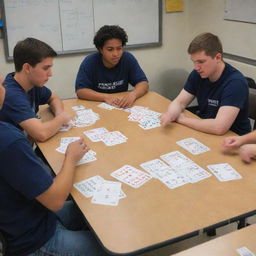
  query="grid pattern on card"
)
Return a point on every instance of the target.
[
  {"x": 131, "y": 176},
  {"x": 193, "y": 146}
]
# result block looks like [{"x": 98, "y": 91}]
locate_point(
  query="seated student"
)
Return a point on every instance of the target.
[
  {"x": 110, "y": 70},
  {"x": 30, "y": 197},
  {"x": 245, "y": 144},
  {"x": 25, "y": 91},
  {"x": 220, "y": 89}
]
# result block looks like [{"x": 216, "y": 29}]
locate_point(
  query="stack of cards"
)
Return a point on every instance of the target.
[
  {"x": 147, "y": 119},
  {"x": 224, "y": 172},
  {"x": 102, "y": 191},
  {"x": 109, "y": 138},
  {"x": 85, "y": 117},
  {"x": 77, "y": 108},
  {"x": 88, "y": 156},
  {"x": 193, "y": 146},
  {"x": 131, "y": 176},
  {"x": 106, "y": 106}
]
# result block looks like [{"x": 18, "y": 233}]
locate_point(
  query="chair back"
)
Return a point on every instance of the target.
[
  {"x": 252, "y": 106},
  {"x": 2, "y": 245}
]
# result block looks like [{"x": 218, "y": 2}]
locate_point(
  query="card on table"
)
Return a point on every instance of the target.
[
  {"x": 95, "y": 135},
  {"x": 175, "y": 158},
  {"x": 224, "y": 172},
  {"x": 154, "y": 166},
  {"x": 193, "y": 146},
  {"x": 131, "y": 176}
]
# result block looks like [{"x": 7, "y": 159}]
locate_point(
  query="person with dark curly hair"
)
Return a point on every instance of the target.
[{"x": 111, "y": 70}]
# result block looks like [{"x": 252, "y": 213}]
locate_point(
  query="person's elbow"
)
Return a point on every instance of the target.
[
  {"x": 220, "y": 129},
  {"x": 40, "y": 136},
  {"x": 81, "y": 94}
]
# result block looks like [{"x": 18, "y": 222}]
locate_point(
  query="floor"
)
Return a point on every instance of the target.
[{"x": 188, "y": 243}]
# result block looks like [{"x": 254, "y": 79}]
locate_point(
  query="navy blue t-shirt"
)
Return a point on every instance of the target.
[
  {"x": 20, "y": 105},
  {"x": 231, "y": 89},
  {"x": 26, "y": 224},
  {"x": 94, "y": 75}
]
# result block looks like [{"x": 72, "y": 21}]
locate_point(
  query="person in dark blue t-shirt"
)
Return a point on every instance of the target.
[
  {"x": 35, "y": 218},
  {"x": 110, "y": 70},
  {"x": 220, "y": 89},
  {"x": 25, "y": 91}
]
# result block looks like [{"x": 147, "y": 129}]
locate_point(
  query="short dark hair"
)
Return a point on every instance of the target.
[
  {"x": 108, "y": 32},
  {"x": 207, "y": 42},
  {"x": 31, "y": 51}
]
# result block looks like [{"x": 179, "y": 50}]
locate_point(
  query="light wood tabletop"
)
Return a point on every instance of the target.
[
  {"x": 153, "y": 215},
  {"x": 225, "y": 245}
]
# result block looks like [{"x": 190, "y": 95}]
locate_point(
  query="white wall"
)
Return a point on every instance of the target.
[{"x": 166, "y": 67}]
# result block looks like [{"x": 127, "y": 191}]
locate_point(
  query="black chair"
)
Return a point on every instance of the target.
[
  {"x": 2, "y": 244},
  {"x": 252, "y": 106}
]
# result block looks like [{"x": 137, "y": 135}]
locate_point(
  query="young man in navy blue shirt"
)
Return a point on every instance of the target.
[
  {"x": 25, "y": 91},
  {"x": 35, "y": 218},
  {"x": 111, "y": 70},
  {"x": 220, "y": 89}
]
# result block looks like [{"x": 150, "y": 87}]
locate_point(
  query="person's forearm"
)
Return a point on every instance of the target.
[
  {"x": 249, "y": 138},
  {"x": 56, "y": 105},
  {"x": 140, "y": 89},
  {"x": 210, "y": 126},
  {"x": 89, "y": 94}
]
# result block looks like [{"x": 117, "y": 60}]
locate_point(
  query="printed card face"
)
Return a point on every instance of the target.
[
  {"x": 64, "y": 143},
  {"x": 224, "y": 172},
  {"x": 65, "y": 128},
  {"x": 89, "y": 186},
  {"x": 244, "y": 251},
  {"x": 131, "y": 176},
  {"x": 175, "y": 159},
  {"x": 85, "y": 117},
  {"x": 89, "y": 156},
  {"x": 113, "y": 138},
  {"x": 154, "y": 166},
  {"x": 193, "y": 146},
  {"x": 107, "y": 194},
  {"x": 95, "y": 135},
  {"x": 80, "y": 107},
  {"x": 106, "y": 106}
]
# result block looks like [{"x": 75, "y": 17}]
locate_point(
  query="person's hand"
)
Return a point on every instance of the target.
[
  {"x": 65, "y": 117},
  {"x": 165, "y": 119},
  {"x": 127, "y": 100},
  {"x": 247, "y": 152},
  {"x": 112, "y": 100},
  {"x": 76, "y": 150},
  {"x": 231, "y": 143}
]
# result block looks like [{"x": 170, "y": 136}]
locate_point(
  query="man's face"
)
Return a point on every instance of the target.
[
  {"x": 40, "y": 73},
  {"x": 111, "y": 52},
  {"x": 206, "y": 66}
]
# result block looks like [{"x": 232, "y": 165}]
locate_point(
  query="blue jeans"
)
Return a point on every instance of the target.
[{"x": 67, "y": 239}]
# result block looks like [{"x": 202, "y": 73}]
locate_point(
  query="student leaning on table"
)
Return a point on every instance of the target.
[
  {"x": 220, "y": 89},
  {"x": 25, "y": 91},
  {"x": 110, "y": 70},
  {"x": 35, "y": 219},
  {"x": 245, "y": 145}
]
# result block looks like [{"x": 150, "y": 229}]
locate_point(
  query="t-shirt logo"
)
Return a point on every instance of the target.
[
  {"x": 110, "y": 86},
  {"x": 214, "y": 103}
]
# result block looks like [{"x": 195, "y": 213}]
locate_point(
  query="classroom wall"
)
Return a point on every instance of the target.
[{"x": 167, "y": 66}]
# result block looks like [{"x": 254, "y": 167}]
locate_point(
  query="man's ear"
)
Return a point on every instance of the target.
[
  {"x": 218, "y": 56},
  {"x": 26, "y": 67}
]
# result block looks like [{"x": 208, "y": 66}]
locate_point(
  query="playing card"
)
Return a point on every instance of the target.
[
  {"x": 175, "y": 158},
  {"x": 224, "y": 172},
  {"x": 244, "y": 251},
  {"x": 193, "y": 146},
  {"x": 131, "y": 176},
  {"x": 108, "y": 193},
  {"x": 95, "y": 135},
  {"x": 154, "y": 166},
  {"x": 106, "y": 106},
  {"x": 88, "y": 187},
  {"x": 80, "y": 107}
]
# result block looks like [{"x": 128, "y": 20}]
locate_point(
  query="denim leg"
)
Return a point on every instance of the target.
[
  {"x": 70, "y": 243},
  {"x": 71, "y": 217}
]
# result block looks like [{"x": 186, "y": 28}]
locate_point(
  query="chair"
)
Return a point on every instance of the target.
[
  {"x": 2, "y": 244},
  {"x": 252, "y": 106}
]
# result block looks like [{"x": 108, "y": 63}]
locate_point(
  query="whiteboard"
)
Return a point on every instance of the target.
[
  {"x": 240, "y": 10},
  {"x": 69, "y": 26}
]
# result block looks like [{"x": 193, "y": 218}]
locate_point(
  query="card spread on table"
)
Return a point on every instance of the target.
[
  {"x": 175, "y": 158},
  {"x": 107, "y": 193},
  {"x": 131, "y": 176},
  {"x": 80, "y": 107},
  {"x": 95, "y": 135},
  {"x": 193, "y": 146},
  {"x": 153, "y": 167},
  {"x": 97, "y": 185},
  {"x": 224, "y": 172}
]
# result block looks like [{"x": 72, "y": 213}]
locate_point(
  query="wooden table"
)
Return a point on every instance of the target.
[
  {"x": 225, "y": 245},
  {"x": 153, "y": 215}
]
